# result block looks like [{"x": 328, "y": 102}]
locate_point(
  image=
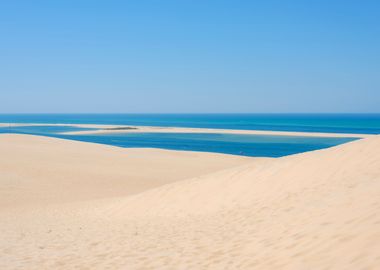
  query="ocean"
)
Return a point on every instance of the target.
[
  {"x": 247, "y": 145},
  {"x": 336, "y": 123}
]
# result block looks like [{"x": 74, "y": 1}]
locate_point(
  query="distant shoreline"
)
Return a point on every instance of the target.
[{"x": 120, "y": 129}]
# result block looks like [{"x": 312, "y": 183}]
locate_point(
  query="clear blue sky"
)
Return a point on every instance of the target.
[{"x": 189, "y": 56}]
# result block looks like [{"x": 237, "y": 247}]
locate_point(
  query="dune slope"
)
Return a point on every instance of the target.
[
  {"x": 317, "y": 210},
  {"x": 44, "y": 170}
]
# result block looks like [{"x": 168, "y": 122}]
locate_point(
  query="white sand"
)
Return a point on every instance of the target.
[
  {"x": 141, "y": 129},
  {"x": 317, "y": 210},
  {"x": 110, "y": 129},
  {"x": 44, "y": 170}
]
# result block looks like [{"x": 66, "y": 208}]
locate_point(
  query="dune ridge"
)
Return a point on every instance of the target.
[
  {"x": 37, "y": 169},
  {"x": 316, "y": 210}
]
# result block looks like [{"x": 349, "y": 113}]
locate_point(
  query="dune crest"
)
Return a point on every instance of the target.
[
  {"x": 44, "y": 170},
  {"x": 316, "y": 210}
]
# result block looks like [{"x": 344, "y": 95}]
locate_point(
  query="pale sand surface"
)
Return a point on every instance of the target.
[
  {"x": 110, "y": 129},
  {"x": 37, "y": 169},
  {"x": 140, "y": 129},
  {"x": 316, "y": 210}
]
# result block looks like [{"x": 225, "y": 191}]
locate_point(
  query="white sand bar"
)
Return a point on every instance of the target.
[{"x": 119, "y": 129}]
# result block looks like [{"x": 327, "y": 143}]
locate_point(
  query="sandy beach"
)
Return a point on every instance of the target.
[
  {"x": 120, "y": 129},
  {"x": 75, "y": 205}
]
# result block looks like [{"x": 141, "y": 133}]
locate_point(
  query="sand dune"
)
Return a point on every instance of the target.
[
  {"x": 45, "y": 170},
  {"x": 317, "y": 210}
]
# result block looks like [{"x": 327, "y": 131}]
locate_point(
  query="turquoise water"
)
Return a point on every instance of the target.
[
  {"x": 43, "y": 129},
  {"x": 247, "y": 145},
  {"x": 336, "y": 123}
]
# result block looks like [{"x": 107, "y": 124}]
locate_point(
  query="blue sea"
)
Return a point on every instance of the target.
[
  {"x": 336, "y": 123},
  {"x": 248, "y": 145}
]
